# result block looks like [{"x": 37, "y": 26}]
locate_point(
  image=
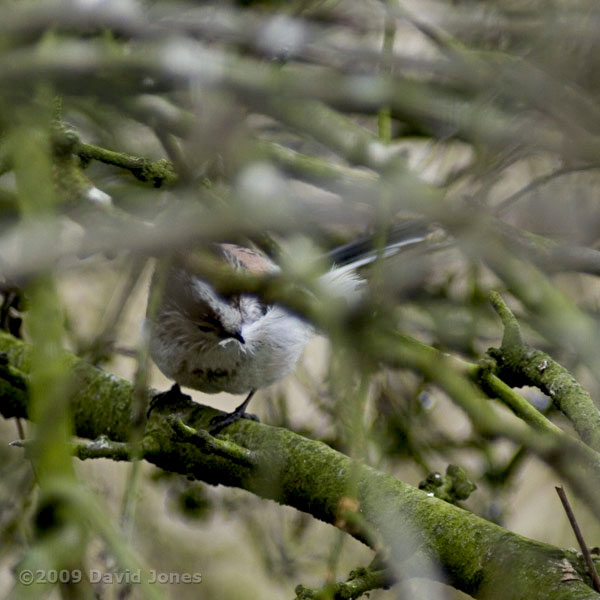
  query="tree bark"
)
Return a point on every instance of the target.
[{"x": 413, "y": 529}]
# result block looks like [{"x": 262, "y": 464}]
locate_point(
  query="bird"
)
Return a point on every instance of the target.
[{"x": 238, "y": 343}]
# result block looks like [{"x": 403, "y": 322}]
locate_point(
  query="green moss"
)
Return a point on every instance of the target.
[
  {"x": 158, "y": 173},
  {"x": 414, "y": 529},
  {"x": 519, "y": 364}
]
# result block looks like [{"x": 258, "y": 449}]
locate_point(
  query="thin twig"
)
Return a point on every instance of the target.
[
  {"x": 584, "y": 548},
  {"x": 503, "y": 206}
]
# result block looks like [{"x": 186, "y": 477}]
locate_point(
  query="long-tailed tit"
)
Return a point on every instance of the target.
[{"x": 237, "y": 343}]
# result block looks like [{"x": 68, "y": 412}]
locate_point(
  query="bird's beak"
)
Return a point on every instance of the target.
[
  {"x": 227, "y": 336},
  {"x": 238, "y": 336}
]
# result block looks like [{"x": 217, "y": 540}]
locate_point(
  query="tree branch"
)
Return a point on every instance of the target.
[
  {"x": 360, "y": 582},
  {"x": 476, "y": 556},
  {"x": 521, "y": 365},
  {"x": 158, "y": 172}
]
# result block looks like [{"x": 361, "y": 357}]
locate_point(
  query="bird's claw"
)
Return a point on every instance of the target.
[
  {"x": 171, "y": 395},
  {"x": 219, "y": 422}
]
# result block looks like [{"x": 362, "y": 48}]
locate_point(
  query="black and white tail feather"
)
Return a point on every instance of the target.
[{"x": 344, "y": 280}]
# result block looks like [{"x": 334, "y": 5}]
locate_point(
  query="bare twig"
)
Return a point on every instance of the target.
[
  {"x": 584, "y": 548},
  {"x": 538, "y": 182}
]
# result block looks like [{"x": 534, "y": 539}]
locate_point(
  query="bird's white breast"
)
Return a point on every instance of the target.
[{"x": 273, "y": 344}]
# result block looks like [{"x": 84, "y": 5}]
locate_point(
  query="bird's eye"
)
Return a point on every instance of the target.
[{"x": 206, "y": 328}]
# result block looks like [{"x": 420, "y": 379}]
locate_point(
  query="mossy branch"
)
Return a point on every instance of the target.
[
  {"x": 475, "y": 555},
  {"x": 512, "y": 332},
  {"x": 359, "y": 583},
  {"x": 158, "y": 173},
  {"x": 519, "y": 364}
]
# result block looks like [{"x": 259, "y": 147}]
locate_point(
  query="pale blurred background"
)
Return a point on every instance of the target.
[{"x": 480, "y": 135}]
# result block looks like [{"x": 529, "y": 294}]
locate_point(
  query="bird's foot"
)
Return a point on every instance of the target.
[
  {"x": 172, "y": 395},
  {"x": 219, "y": 422}
]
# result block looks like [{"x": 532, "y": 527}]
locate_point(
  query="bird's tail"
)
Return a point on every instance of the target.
[
  {"x": 365, "y": 250},
  {"x": 343, "y": 281}
]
